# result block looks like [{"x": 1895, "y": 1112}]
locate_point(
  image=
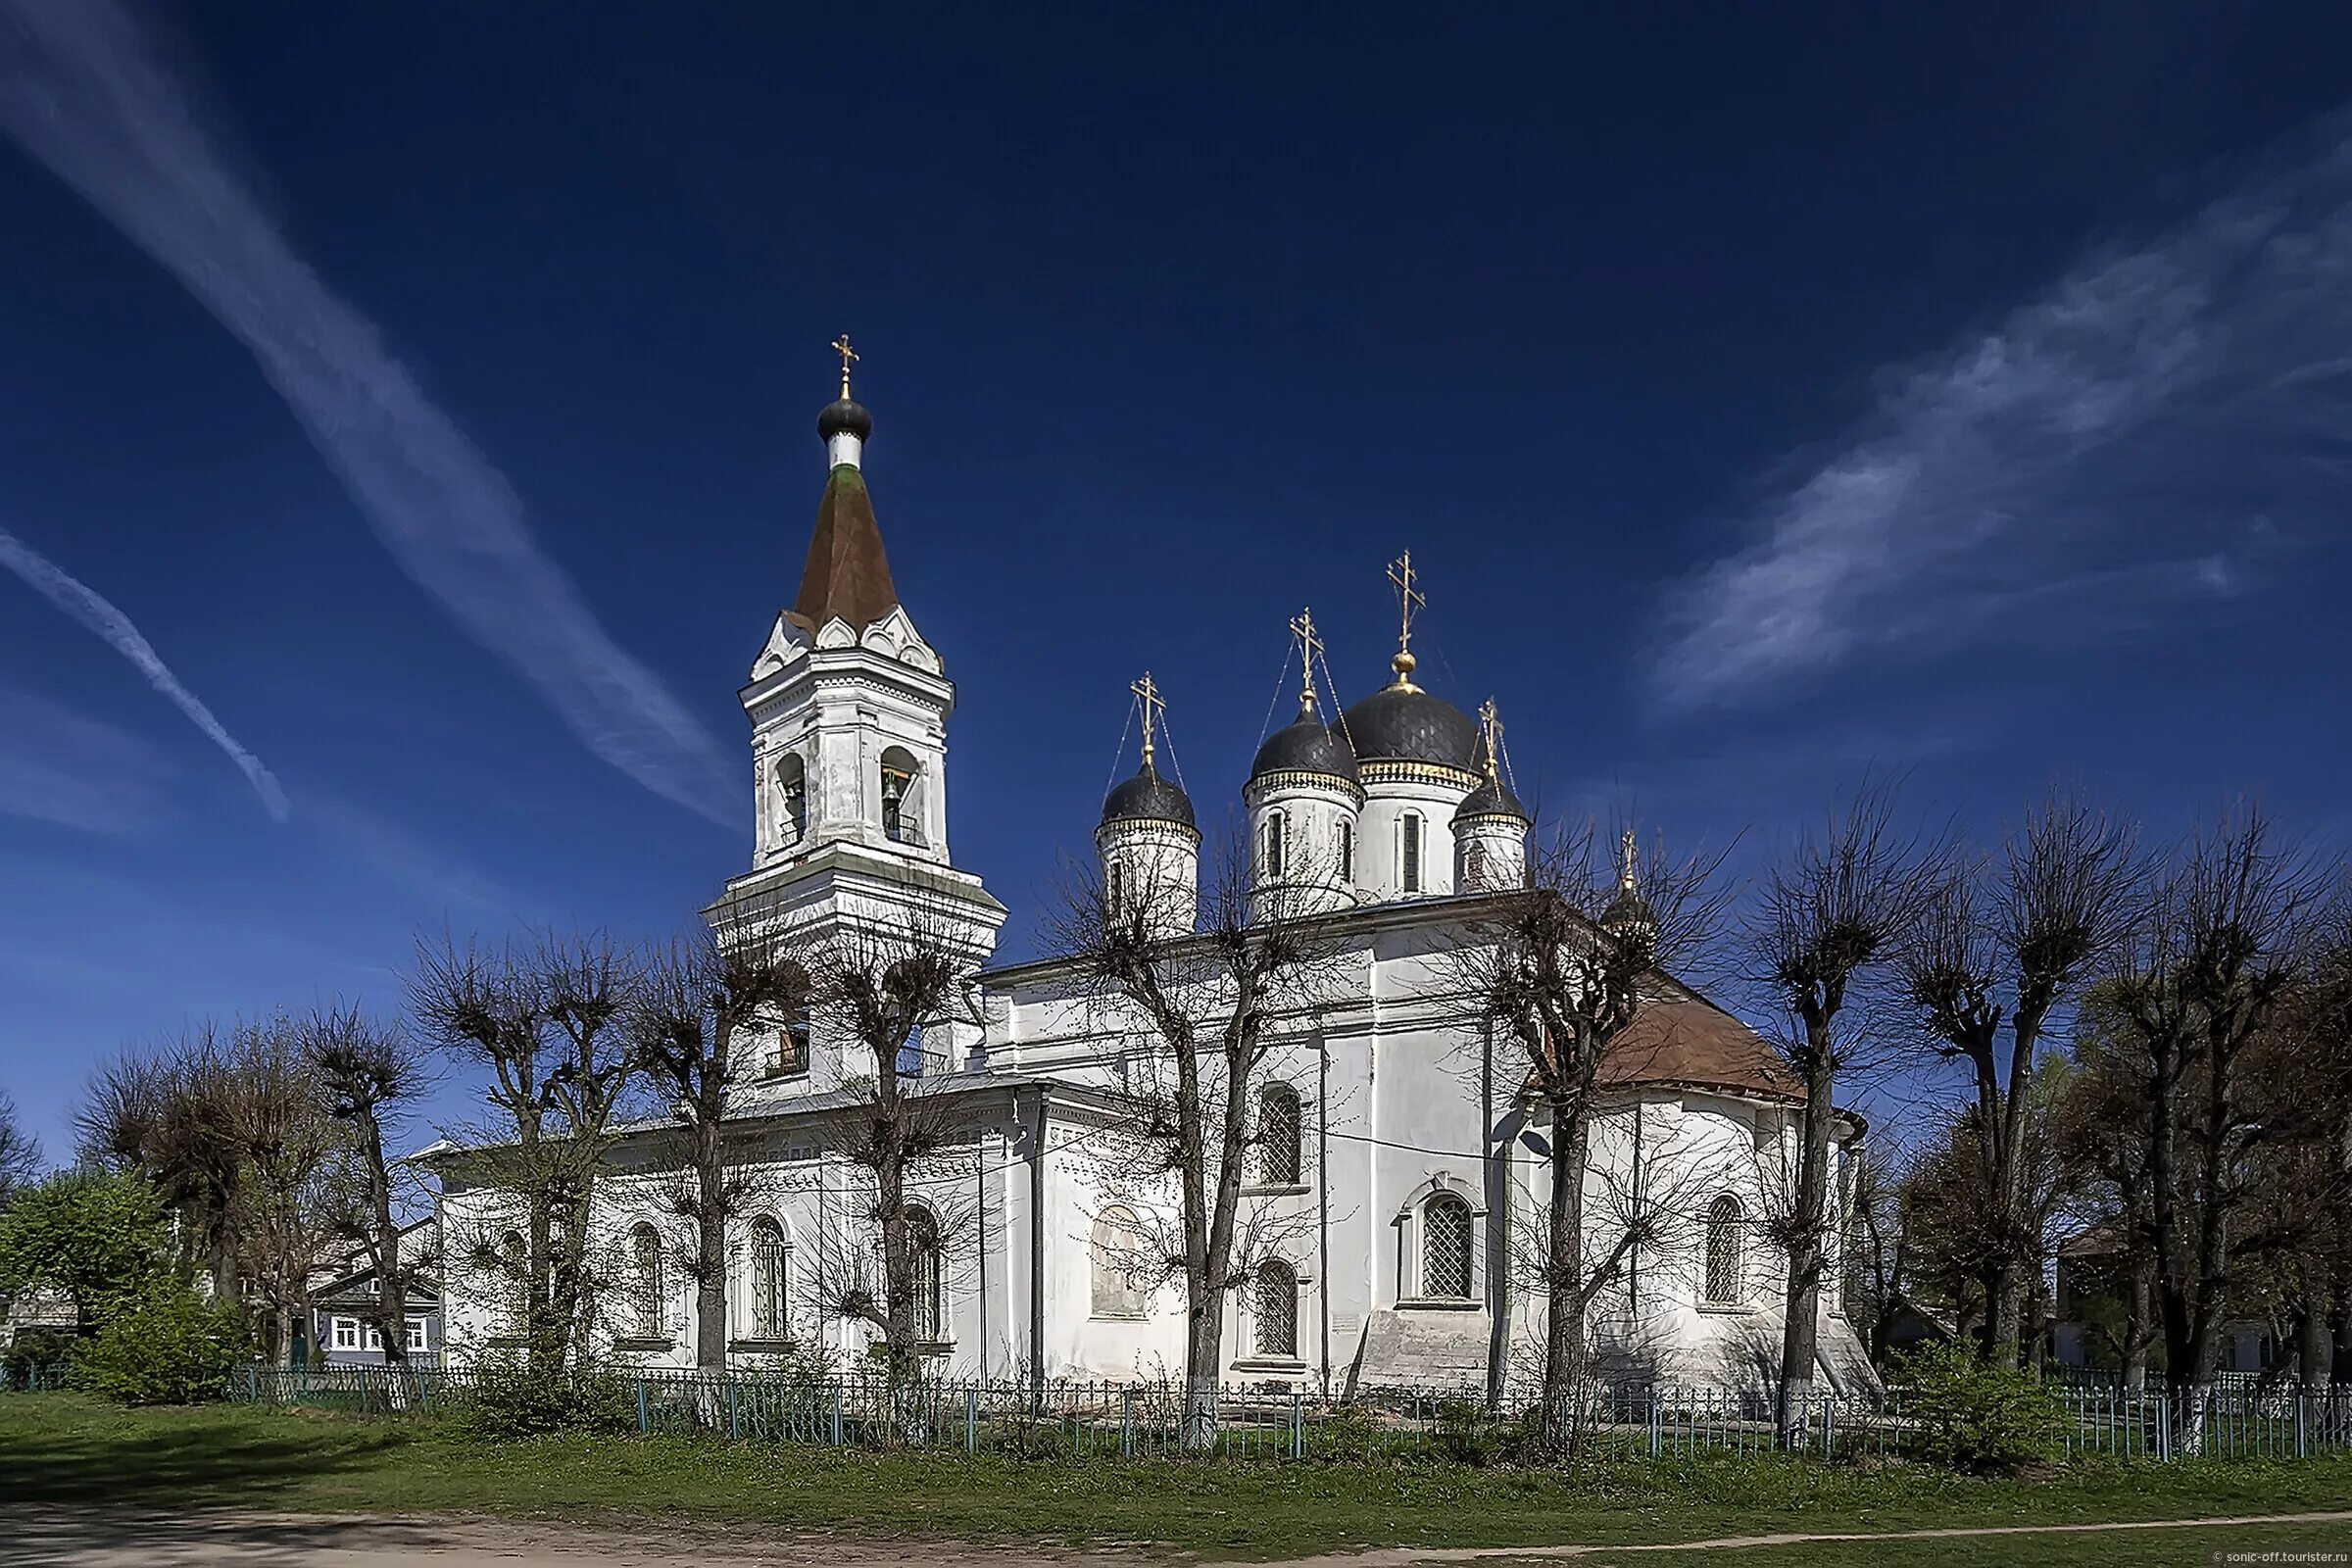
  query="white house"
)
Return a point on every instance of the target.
[{"x": 1397, "y": 1175}]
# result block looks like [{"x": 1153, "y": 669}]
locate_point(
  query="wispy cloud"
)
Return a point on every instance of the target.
[
  {"x": 60, "y": 767},
  {"x": 84, "y": 605},
  {"x": 83, "y": 92},
  {"x": 2128, "y": 444}
]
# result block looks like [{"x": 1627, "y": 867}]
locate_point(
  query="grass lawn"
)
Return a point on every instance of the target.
[{"x": 64, "y": 1448}]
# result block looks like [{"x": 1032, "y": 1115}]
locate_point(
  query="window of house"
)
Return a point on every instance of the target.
[
  {"x": 1473, "y": 864},
  {"x": 1274, "y": 835},
  {"x": 417, "y": 1339},
  {"x": 788, "y": 1050},
  {"x": 1409, "y": 851},
  {"x": 767, "y": 1280},
  {"x": 1343, "y": 834},
  {"x": 1117, "y": 889},
  {"x": 930, "y": 1274},
  {"x": 1446, "y": 1247},
  {"x": 513, "y": 1282},
  {"x": 645, "y": 1281},
  {"x": 1726, "y": 1266},
  {"x": 347, "y": 1333},
  {"x": 1121, "y": 1282},
  {"x": 1277, "y": 1310},
  {"x": 1278, "y": 1127},
  {"x": 792, "y": 799}
]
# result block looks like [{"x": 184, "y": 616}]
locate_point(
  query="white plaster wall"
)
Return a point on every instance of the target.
[
  {"x": 1159, "y": 870},
  {"x": 1379, "y": 868},
  {"x": 1314, "y": 816}
]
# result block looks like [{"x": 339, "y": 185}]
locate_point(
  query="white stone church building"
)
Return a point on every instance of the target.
[{"x": 1397, "y": 1173}]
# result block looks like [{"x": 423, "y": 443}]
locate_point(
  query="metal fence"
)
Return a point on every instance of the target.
[{"x": 1145, "y": 1420}]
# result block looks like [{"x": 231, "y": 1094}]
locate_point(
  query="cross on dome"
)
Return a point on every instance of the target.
[
  {"x": 1147, "y": 693},
  {"x": 849, "y": 357},
  {"x": 1409, "y": 599},
  {"x": 1302, "y": 627}
]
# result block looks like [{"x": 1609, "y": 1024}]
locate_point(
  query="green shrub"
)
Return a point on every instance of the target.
[
  {"x": 37, "y": 1352},
  {"x": 506, "y": 1398},
  {"x": 1967, "y": 1415},
  {"x": 166, "y": 1345}
]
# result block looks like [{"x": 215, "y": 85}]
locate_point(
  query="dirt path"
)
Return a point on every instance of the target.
[{"x": 98, "y": 1539}]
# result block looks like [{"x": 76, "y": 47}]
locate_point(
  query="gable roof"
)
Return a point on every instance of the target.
[{"x": 848, "y": 574}]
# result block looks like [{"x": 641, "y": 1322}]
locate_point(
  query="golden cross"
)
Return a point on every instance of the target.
[
  {"x": 1408, "y": 598},
  {"x": 1147, "y": 692},
  {"x": 849, "y": 357},
  {"x": 1302, "y": 627},
  {"x": 1625, "y": 873},
  {"x": 1489, "y": 723}
]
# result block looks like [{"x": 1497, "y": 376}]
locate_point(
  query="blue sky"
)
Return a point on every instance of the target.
[{"x": 409, "y": 431}]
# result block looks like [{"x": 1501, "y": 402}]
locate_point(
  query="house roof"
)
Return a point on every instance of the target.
[
  {"x": 848, "y": 574},
  {"x": 1681, "y": 1038}
]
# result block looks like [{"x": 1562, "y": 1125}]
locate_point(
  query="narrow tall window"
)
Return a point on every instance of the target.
[
  {"x": 515, "y": 1269},
  {"x": 1446, "y": 1247},
  {"x": 767, "y": 1280},
  {"x": 901, "y": 799},
  {"x": 788, "y": 1053},
  {"x": 1278, "y": 1136},
  {"x": 1474, "y": 865},
  {"x": 1274, "y": 845},
  {"x": 646, "y": 1287},
  {"x": 1725, "y": 1286},
  {"x": 930, "y": 1275},
  {"x": 1345, "y": 833},
  {"x": 792, "y": 799},
  {"x": 1117, "y": 889},
  {"x": 1121, "y": 1282},
  {"x": 1410, "y": 853},
  {"x": 1277, "y": 1310}
]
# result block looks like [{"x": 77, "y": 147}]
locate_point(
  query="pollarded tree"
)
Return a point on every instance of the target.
[
  {"x": 367, "y": 1076},
  {"x": 1831, "y": 915},
  {"x": 696, "y": 1017},
  {"x": 544, "y": 1025},
  {"x": 1562, "y": 970},
  {"x": 1208, "y": 987},
  {"x": 2004, "y": 947}
]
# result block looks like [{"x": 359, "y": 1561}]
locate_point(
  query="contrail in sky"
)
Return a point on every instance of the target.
[
  {"x": 87, "y": 607},
  {"x": 82, "y": 93}
]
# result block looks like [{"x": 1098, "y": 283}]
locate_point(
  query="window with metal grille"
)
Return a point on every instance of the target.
[
  {"x": 1446, "y": 1247},
  {"x": 1410, "y": 855},
  {"x": 767, "y": 1280},
  {"x": 930, "y": 1275},
  {"x": 1278, "y": 1136},
  {"x": 1277, "y": 1310},
  {"x": 1274, "y": 845},
  {"x": 1725, "y": 1285},
  {"x": 646, "y": 1290},
  {"x": 1345, "y": 834},
  {"x": 1474, "y": 865}
]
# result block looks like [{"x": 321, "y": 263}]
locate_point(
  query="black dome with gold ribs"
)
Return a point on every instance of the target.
[
  {"x": 1149, "y": 798},
  {"x": 1305, "y": 745},
  {"x": 1402, "y": 723},
  {"x": 842, "y": 417}
]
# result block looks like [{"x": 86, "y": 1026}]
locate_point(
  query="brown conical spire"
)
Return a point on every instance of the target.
[{"x": 848, "y": 574}]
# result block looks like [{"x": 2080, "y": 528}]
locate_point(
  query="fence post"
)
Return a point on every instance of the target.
[
  {"x": 1653, "y": 1421},
  {"x": 1127, "y": 1422},
  {"x": 1829, "y": 1426},
  {"x": 1297, "y": 1428},
  {"x": 2301, "y": 1450},
  {"x": 2164, "y": 1427},
  {"x": 734, "y": 1410},
  {"x": 642, "y": 1423},
  {"x": 971, "y": 1420},
  {"x": 837, "y": 1415}
]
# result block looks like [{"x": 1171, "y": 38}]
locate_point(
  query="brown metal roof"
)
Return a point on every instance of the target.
[
  {"x": 1680, "y": 1039},
  {"x": 848, "y": 575}
]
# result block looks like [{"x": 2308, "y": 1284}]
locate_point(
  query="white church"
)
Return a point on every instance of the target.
[{"x": 1396, "y": 1169}]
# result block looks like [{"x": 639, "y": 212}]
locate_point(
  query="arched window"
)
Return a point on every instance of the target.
[
  {"x": 1344, "y": 833},
  {"x": 1474, "y": 865},
  {"x": 513, "y": 1281},
  {"x": 645, "y": 1294},
  {"x": 768, "y": 1300},
  {"x": 1446, "y": 1247},
  {"x": 1122, "y": 1277},
  {"x": 1277, "y": 1310},
  {"x": 1409, "y": 855},
  {"x": 1726, "y": 1267},
  {"x": 930, "y": 1274},
  {"x": 788, "y": 1052},
  {"x": 1274, "y": 845},
  {"x": 1278, "y": 1136},
  {"x": 1115, "y": 890},
  {"x": 901, "y": 797},
  {"x": 792, "y": 799}
]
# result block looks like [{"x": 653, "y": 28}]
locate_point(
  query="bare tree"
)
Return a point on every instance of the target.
[
  {"x": 544, "y": 1023},
  {"x": 1208, "y": 998},
  {"x": 19, "y": 1151},
  {"x": 2221, "y": 945},
  {"x": 1880, "y": 1254},
  {"x": 1832, "y": 911},
  {"x": 162, "y": 1112},
  {"x": 874, "y": 985},
  {"x": 295, "y": 1159},
  {"x": 2002, "y": 947},
  {"x": 367, "y": 1075},
  {"x": 696, "y": 1016},
  {"x": 1563, "y": 969}
]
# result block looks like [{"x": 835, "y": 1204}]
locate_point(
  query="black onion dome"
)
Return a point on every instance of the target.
[
  {"x": 844, "y": 417},
  {"x": 1148, "y": 797},
  {"x": 1492, "y": 798},
  {"x": 1305, "y": 746},
  {"x": 1405, "y": 724}
]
